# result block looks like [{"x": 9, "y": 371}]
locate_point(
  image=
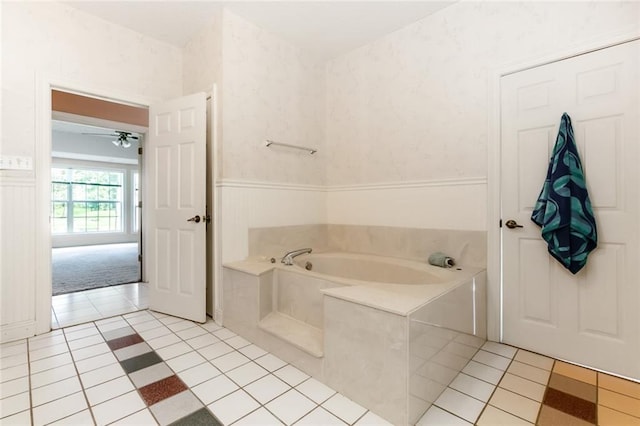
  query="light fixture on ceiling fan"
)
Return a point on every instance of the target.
[{"x": 123, "y": 139}]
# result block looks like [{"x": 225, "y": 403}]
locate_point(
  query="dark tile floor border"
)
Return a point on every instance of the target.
[
  {"x": 571, "y": 405},
  {"x": 162, "y": 389}
]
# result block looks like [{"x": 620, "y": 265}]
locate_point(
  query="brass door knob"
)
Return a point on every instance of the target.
[{"x": 511, "y": 224}]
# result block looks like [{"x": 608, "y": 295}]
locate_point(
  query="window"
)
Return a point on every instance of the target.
[{"x": 84, "y": 200}]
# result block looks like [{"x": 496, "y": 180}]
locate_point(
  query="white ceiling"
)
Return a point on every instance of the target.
[
  {"x": 86, "y": 129},
  {"x": 324, "y": 29},
  {"x": 67, "y": 127},
  {"x": 86, "y": 142}
]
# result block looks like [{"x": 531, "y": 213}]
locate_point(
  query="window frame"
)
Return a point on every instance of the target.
[{"x": 70, "y": 201}]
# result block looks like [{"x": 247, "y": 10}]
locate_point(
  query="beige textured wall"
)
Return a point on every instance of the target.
[
  {"x": 51, "y": 41},
  {"x": 413, "y": 104},
  {"x": 271, "y": 90}
]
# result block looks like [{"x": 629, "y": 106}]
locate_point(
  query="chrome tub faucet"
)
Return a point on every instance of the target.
[{"x": 288, "y": 258}]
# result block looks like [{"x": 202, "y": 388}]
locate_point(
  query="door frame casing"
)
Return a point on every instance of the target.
[
  {"x": 494, "y": 172},
  {"x": 43, "y": 113}
]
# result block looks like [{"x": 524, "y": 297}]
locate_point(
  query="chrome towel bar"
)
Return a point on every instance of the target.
[{"x": 304, "y": 148}]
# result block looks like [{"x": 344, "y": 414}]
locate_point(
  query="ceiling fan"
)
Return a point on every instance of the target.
[{"x": 123, "y": 139}]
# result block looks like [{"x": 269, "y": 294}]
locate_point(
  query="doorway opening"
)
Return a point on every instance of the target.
[{"x": 95, "y": 215}]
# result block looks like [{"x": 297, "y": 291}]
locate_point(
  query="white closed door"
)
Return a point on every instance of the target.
[
  {"x": 175, "y": 164},
  {"x": 593, "y": 317}
]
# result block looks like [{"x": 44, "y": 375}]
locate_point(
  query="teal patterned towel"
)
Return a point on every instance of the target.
[{"x": 563, "y": 209}]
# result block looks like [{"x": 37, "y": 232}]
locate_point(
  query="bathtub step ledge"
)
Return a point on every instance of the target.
[{"x": 301, "y": 335}]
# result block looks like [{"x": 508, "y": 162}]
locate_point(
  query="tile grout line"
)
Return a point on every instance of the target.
[
  {"x": 73, "y": 361},
  {"x": 75, "y": 367},
  {"x": 597, "y": 397},
  {"x": 242, "y": 388},
  {"x": 546, "y": 387},
  {"x": 316, "y": 405},
  {"x": 448, "y": 387},
  {"x": 204, "y": 406},
  {"x": 55, "y": 317},
  {"x": 477, "y": 350},
  {"x": 29, "y": 376},
  {"x": 612, "y": 391},
  {"x": 545, "y": 391},
  {"x": 237, "y": 350},
  {"x": 497, "y": 385},
  {"x": 221, "y": 373},
  {"x": 93, "y": 324},
  {"x": 98, "y": 384},
  {"x": 102, "y": 316},
  {"x": 260, "y": 405},
  {"x": 97, "y": 310},
  {"x": 129, "y": 378}
]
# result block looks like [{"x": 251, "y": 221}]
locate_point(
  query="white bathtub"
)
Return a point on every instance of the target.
[
  {"x": 369, "y": 279},
  {"x": 376, "y": 269},
  {"x": 389, "y": 333}
]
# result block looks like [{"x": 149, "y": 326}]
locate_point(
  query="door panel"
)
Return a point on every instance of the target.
[
  {"x": 599, "y": 306},
  {"x": 535, "y": 283},
  {"x": 176, "y": 172},
  {"x": 591, "y": 318},
  {"x": 600, "y": 140},
  {"x": 531, "y": 154}
]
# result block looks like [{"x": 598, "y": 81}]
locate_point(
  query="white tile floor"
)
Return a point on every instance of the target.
[
  {"x": 71, "y": 376},
  {"x": 91, "y": 305}
]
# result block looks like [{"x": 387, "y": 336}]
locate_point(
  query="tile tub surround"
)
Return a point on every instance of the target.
[
  {"x": 249, "y": 299},
  {"x": 277, "y": 240},
  {"x": 421, "y": 351},
  {"x": 467, "y": 247},
  {"x": 383, "y": 328}
]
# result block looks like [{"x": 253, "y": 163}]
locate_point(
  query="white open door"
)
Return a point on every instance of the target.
[
  {"x": 175, "y": 160},
  {"x": 591, "y": 318}
]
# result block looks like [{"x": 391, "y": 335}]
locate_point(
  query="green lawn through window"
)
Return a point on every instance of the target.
[{"x": 85, "y": 200}]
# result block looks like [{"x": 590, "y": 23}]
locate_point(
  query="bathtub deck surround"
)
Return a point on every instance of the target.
[
  {"x": 249, "y": 298},
  {"x": 339, "y": 329}
]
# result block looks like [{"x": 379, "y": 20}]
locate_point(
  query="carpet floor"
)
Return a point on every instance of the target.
[{"x": 89, "y": 267}]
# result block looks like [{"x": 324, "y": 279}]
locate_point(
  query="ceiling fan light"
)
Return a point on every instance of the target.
[
  {"x": 126, "y": 143},
  {"x": 116, "y": 142}
]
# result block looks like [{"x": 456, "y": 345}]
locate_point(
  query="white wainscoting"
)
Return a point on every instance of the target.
[
  {"x": 18, "y": 247},
  {"x": 247, "y": 205},
  {"x": 439, "y": 204},
  {"x": 459, "y": 204}
]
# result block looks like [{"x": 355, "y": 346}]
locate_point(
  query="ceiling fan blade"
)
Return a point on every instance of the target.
[
  {"x": 101, "y": 134},
  {"x": 122, "y": 138}
]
